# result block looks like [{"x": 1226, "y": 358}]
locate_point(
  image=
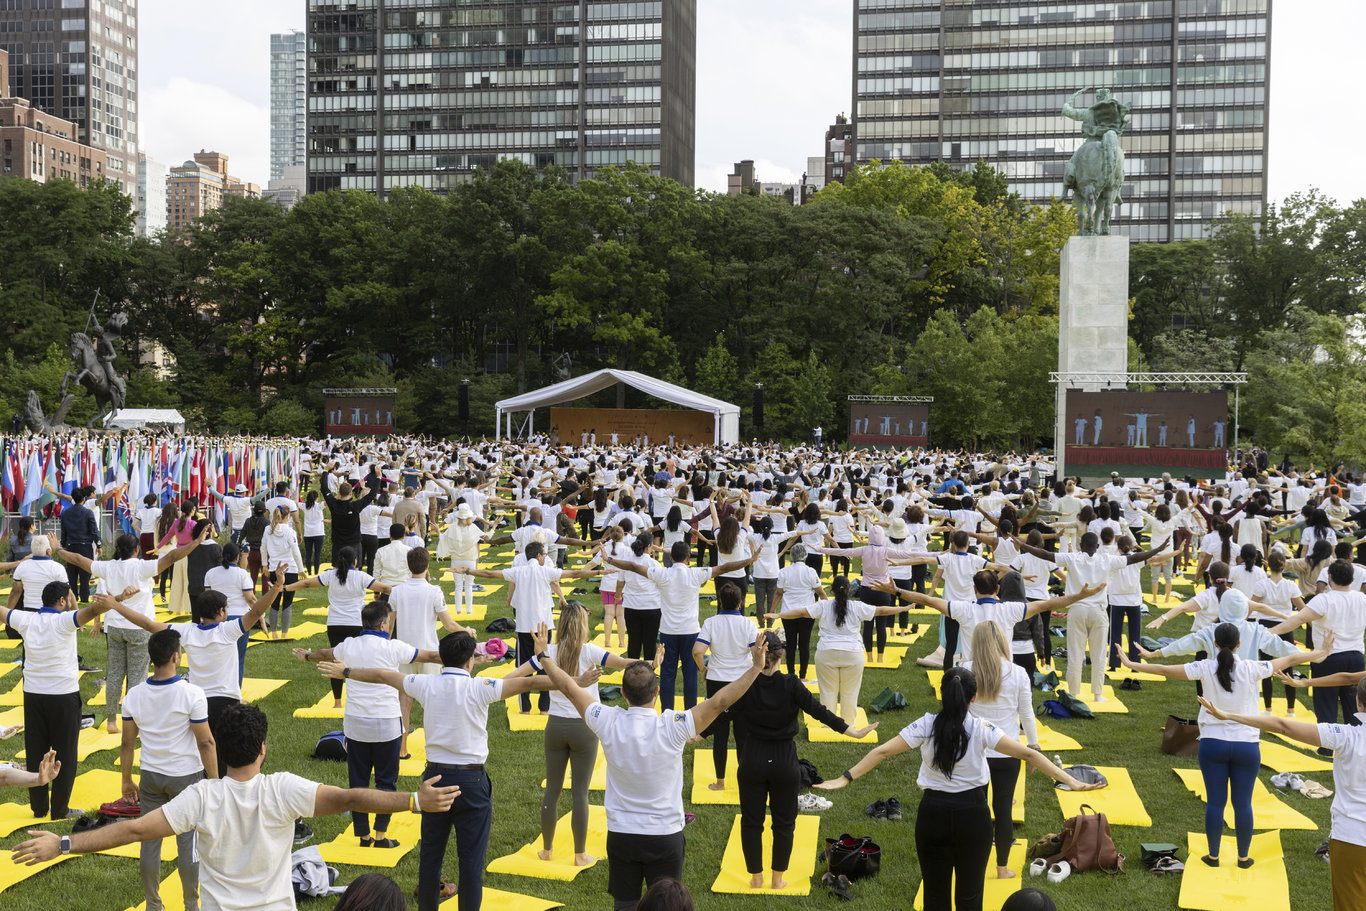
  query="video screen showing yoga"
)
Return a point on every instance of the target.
[
  {"x": 873, "y": 424},
  {"x": 1121, "y": 430}
]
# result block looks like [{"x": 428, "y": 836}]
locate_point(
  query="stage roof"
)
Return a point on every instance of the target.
[{"x": 727, "y": 415}]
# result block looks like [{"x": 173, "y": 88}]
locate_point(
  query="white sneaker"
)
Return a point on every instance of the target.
[
  {"x": 1100, "y": 698},
  {"x": 1038, "y": 867},
  {"x": 1059, "y": 871},
  {"x": 810, "y": 802}
]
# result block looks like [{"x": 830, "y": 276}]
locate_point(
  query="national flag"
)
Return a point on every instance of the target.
[{"x": 13, "y": 482}]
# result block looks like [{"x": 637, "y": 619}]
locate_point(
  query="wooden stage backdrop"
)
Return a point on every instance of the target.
[{"x": 687, "y": 426}]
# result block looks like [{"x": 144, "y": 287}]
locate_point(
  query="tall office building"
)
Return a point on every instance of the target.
[
  {"x": 151, "y": 198},
  {"x": 956, "y": 81},
  {"x": 402, "y": 97},
  {"x": 288, "y": 102},
  {"x": 78, "y": 60}
]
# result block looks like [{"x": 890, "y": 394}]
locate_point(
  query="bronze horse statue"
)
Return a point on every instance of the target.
[
  {"x": 1096, "y": 172},
  {"x": 96, "y": 375}
]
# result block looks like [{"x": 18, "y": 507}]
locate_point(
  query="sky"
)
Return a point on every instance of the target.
[{"x": 772, "y": 74}]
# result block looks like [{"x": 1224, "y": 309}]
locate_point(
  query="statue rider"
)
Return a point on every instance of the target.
[{"x": 1105, "y": 121}]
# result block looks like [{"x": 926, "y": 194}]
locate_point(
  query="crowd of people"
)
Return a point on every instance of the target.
[{"x": 995, "y": 545}]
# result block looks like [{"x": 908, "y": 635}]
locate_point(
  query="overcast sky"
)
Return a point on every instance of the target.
[{"x": 771, "y": 76}]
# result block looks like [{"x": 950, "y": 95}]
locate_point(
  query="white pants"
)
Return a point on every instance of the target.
[
  {"x": 1087, "y": 627},
  {"x": 464, "y": 586},
  {"x": 839, "y": 674}
]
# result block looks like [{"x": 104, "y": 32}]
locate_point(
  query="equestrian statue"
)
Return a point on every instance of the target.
[
  {"x": 1095, "y": 175},
  {"x": 93, "y": 356}
]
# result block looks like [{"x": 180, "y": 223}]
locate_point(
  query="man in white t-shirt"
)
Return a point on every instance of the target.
[
  {"x": 52, "y": 689},
  {"x": 282, "y": 498},
  {"x": 456, "y": 709},
  {"x": 244, "y": 822},
  {"x": 170, "y": 716},
  {"x": 644, "y": 752}
]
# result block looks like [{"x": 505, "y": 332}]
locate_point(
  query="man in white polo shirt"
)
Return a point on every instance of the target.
[
  {"x": 644, "y": 754},
  {"x": 244, "y": 822},
  {"x": 170, "y": 716},
  {"x": 456, "y": 715},
  {"x": 52, "y": 689}
]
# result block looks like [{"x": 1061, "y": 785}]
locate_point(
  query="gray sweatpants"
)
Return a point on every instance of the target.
[
  {"x": 156, "y": 791},
  {"x": 127, "y": 661},
  {"x": 568, "y": 741},
  {"x": 764, "y": 590}
]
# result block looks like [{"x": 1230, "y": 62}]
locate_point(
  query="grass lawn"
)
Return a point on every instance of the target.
[{"x": 517, "y": 767}]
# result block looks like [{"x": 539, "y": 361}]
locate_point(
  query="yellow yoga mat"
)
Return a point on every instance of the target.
[
  {"x": 598, "y": 781},
  {"x": 405, "y": 828},
  {"x": 1123, "y": 673},
  {"x": 1111, "y": 705},
  {"x": 891, "y": 659},
  {"x": 11, "y": 873},
  {"x": 253, "y": 690},
  {"x": 733, "y": 879},
  {"x": 560, "y": 867},
  {"x": 996, "y": 891},
  {"x": 500, "y": 669},
  {"x": 1119, "y": 801},
  {"x": 908, "y": 637},
  {"x": 417, "y": 755},
  {"x": 1268, "y": 812},
  {"x": 13, "y": 696},
  {"x": 91, "y": 740},
  {"x": 1262, "y": 887},
  {"x": 477, "y": 612},
  {"x": 7, "y": 666},
  {"x": 508, "y": 901},
  {"x": 1017, "y": 809},
  {"x": 322, "y": 708},
  {"x": 819, "y": 733},
  {"x": 1051, "y": 741},
  {"x": 704, "y": 774},
  {"x": 1302, "y": 712},
  {"x": 299, "y": 631},
  {"x": 11, "y": 717},
  {"x": 172, "y": 896},
  {"x": 315, "y": 611},
  {"x": 1283, "y": 759},
  {"x": 6, "y": 644},
  {"x": 89, "y": 790},
  {"x": 519, "y": 723}
]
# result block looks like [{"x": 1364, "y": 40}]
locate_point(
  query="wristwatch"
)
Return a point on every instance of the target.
[
  {"x": 545, "y": 653},
  {"x": 346, "y": 672},
  {"x": 65, "y": 844}
]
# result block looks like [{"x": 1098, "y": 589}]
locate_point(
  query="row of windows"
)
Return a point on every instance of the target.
[
  {"x": 631, "y": 31},
  {"x": 1138, "y": 102},
  {"x": 598, "y": 11},
  {"x": 1057, "y": 58}
]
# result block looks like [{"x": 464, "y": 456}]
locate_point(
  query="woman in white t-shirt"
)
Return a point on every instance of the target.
[
  {"x": 1283, "y": 596},
  {"x": 953, "y": 832},
  {"x": 346, "y": 587},
  {"x": 234, "y": 584},
  {"x": 1004, "y": 698},
  {"x": 839, "y": 652},
  {"x": 370, "y": 517},
  {"x": 1247, "y": 574},
  {"x": 768, "y": 541},
  {"x": 315, "y": 522},
  {"x": 568, "y": 739},
  {"x": 1230, "y": 754},
  {"x": 145, "y": 524},
  {"x": 1162, "y": 526},
  {"x": 840, "y": 521},
  {"x": 733, "y": 545},
  {"x": 813, "y": 532}
]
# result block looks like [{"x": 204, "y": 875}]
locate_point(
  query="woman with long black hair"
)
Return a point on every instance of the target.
[
  {"x": 639, "y": 599},
  {"x": 346, "y": 587},
  {"x": 768, "y": 776},
  {"x": 953, "y": 832}
]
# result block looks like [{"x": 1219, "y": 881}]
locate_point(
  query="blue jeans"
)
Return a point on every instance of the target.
[
  {"x": 471, "y": 816},
  {"x": 678, "y": 648},
  {"x": 1229, "y": 766}
]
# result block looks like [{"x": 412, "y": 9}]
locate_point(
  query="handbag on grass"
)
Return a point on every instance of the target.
[
  {"x": 1087, "y": 845},
  {"x": 1074, "y": 705},
  {"x": 1152, "y": 853},
  {"x": 856, "y": 858},
  {"x": 1181, "y": 737},
  {"x": 887, "y": 700}
]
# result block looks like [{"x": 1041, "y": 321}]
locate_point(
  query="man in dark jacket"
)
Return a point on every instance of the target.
[{"x": 80, "y": 535}]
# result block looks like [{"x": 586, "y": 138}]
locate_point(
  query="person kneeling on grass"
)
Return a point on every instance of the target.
[
  {"x": 245, "y": 822},
  {"x": 1230, "y": 754},
  {"x": 953, "y": 832},
  {"x": 1347, "y": 838}
]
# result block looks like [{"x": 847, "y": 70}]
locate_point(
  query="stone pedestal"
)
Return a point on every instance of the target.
[{"x": 1093, "y": 314}]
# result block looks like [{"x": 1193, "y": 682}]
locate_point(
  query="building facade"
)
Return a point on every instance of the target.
[
  {"x": 955, "y": 81},
  {"x": 152, "y": 177},
  {"x": 839, "y": 150},
  {"x": 199, "y": 186},
  {"x": 288, "y": 102},
  {"x": 41, "y": 146},
  {"x": 78, "y": 60},
  {"x": 400, "y": 97}
]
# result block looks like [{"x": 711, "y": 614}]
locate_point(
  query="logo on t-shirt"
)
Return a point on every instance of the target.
[
  {"x": 490, "y": 683},
  {"x": 679, "y": 716}
]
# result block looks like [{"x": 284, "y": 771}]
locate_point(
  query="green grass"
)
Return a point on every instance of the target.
[{"x": 516, "y": 763}]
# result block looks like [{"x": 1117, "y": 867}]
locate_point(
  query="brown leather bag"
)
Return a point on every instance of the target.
[
  {"x": 1087, "y": 845},
  {"x": 1181, "y": 737}
]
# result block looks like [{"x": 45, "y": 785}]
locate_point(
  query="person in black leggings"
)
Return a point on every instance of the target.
[
  {"x": 769, "y": 776},
  {"x": 798, "y": 586},
  {"x": 953, "y": 832}
]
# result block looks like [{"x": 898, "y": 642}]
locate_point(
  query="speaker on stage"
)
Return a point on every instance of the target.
[
  {"x": 464, "y": 401},
  {"x": 758, "y": 406}
]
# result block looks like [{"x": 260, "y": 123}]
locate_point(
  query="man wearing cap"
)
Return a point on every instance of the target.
[{"x": 238, "y": 505}]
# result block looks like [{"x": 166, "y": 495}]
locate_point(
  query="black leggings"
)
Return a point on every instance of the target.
[
  {"x": 720, "y": 729},
  {"x": 950, "y": 642},
  {"x": 1005, "y": 772},
  {"x": 798, "y": 641},
  {"x": 768, "y": 779},
  {"x": 1028, "y": 662},
  {"x": 336, "y": 635},
  {"x": 52, "y": 722},
  {"x": 953, "y": 842},
  {"x": 816, "y": 562},
  {"x": 642, "y": 633},
  {"x": 706, "y": 553},
  {"x": 878, "y": 624},
  {"x": 369, "y": 544},
  {"x": 903, "y": 619},
  {"x": 1266, "y": 684},
  {"x": 840, "y": 565},
  {"x": 1119, "y": 613}
]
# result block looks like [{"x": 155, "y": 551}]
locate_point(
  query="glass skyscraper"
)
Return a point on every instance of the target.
[
  {"x": 288, "y": 102},
  {"x": 424, "y": 92},
  {"x": 962, "y": 80}
]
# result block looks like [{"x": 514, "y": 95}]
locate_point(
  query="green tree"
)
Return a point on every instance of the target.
[
  {"x": 811, "y": 405},
  {"x": 718, "y": 372}
]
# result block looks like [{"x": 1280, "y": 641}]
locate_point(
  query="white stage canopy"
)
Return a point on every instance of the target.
[
  {"x": 727, "y": 416},
  {"x": 135, "y": 418}
]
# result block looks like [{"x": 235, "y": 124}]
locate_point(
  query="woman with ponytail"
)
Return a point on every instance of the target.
[
  {"x": 1230, "y": 754},
  {"x": 234, "y": 584},
  {"x": 346, "y": 587},
  {"x": 953, "y": 832},
  {"x": 839, "y": 654}
]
